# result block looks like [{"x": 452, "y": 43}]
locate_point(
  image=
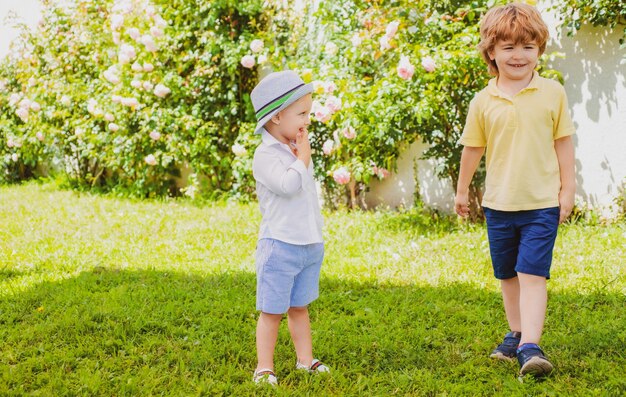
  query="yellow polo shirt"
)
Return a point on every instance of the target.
[{"x": 518, "y": 133}]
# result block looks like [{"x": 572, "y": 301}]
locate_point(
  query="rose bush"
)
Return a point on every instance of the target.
[{"x": 128, "y": 95}]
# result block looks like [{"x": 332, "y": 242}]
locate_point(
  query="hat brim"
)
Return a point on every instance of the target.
[{"x": 297, "y": 94}]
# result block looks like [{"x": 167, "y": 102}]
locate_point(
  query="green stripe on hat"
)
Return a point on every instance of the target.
[{"x": 269, "y": 108}]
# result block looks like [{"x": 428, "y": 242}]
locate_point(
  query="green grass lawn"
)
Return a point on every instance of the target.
[{"x": 113, "y": 297}]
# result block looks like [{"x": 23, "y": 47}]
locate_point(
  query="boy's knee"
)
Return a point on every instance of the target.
[
  {"x": 298, "y": 310},
  {"x": 270, "y": 316}
]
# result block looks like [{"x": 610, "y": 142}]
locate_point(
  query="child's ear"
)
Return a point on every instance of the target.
[{"x": 276, "y": 118}]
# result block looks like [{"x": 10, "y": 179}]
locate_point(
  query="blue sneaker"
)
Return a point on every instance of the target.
[
  {"x": 507, "y": 350},
  {"x": 532, "y": 360}
]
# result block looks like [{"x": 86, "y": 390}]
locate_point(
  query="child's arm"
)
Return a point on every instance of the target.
[
  {"x": 470, "y": 158},
  {"x": 564, "y": 148},
  {"x": 280, "y": 178}
]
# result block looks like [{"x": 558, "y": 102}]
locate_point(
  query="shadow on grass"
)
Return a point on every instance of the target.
[{"x": 109, "y": 332}]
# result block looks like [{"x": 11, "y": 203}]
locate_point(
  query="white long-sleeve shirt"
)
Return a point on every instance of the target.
[{"x": 287, "y": 195}]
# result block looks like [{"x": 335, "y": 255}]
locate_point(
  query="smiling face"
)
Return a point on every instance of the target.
[
  {"x": 294, "y": 118},
  {"x": 513, "y": 23},
  {"x": 516, "y": 61}
]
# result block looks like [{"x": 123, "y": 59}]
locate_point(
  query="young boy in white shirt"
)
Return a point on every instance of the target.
[{"x": 290, "y": 249}]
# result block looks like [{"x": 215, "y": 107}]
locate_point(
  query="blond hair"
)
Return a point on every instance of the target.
[{"x": 517, "y": 22}]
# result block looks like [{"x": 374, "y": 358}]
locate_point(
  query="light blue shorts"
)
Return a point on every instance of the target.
[{"x": 287, "y": 275}]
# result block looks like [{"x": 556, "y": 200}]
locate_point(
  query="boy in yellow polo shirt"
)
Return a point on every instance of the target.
[{"x": 521, "y": 120}]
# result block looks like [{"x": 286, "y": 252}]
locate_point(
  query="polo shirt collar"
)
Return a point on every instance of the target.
[
  {"x": 492, "y": 86},
  {"x": 269, "y": 140}
]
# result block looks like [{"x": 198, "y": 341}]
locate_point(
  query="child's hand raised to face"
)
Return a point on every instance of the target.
[{"x": 303, "y": 146}]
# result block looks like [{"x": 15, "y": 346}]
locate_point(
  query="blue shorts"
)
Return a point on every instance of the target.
[
  {"x": 522, "y": 241},
  {"x": 287, "y": 275}
]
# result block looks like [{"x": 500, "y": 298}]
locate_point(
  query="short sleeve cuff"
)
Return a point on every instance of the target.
[
  {"x": 563, "y": 134},
  {"x": 471, "y": 142}
]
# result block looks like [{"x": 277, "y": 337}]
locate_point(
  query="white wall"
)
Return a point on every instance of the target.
[
  {"x": 594, "y": 70},
  {"x": 595, "y": 82},
  {"x": 399, "y": 189}
]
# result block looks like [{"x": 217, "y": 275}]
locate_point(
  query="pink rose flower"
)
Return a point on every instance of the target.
[
  {"x": 35, "y": 107},
  {"x": 39, "y": 136},
  {"x": 380, "y": 172},
  {"x": 135, "y": 84},
  {"x": 333, "y": 104},
  {"x": 150, "y": 159},
  {"x": 127, "y": 53},
  {"x": 109, "y": 117},
  {"x": 429, "y": 64},
  {"x": 159, "y": 21},
  {"x": 136, "y": 67},
  {"x": 161, "y": 91},
  {"x": 112, "y": 75},
  {"x": 342, "y": 175},
  {"x": 329, "y": 87},
  {"x": 134, "y": 33},
  {"x": 113, "y": 127},
  {"x": 148, "y": 67},
  {"x": 247, "y": 61},
  {"x": 392, "y": 29},
  {"x": 122, "y": 6},
  {"x": 25, "y": 103},
  {"x": 150, "y": 11},
  {"x": 156, "y": 31},
  {"x": 116, "y": 99},
  {"x": 323, "y": 114},
  {"x": 384, "y": 43},
  {"x": 117, "y": 21},
  {"x": 155, "y": 135},
  {"x": 22, "y": 113},
  {"x": 256, "y": 45},
  {"x": 405, "y": 69},
  {"x": 123, "y": 58},
  {"x": 349, "y": 132},
  {"x": 327, "y": 147},
  {"x": 147, "y": 86},
  {"x": 130, "y": 102},
  {"x": 14, "y": 98},
  {"x": 92, "y": 105},
  {"x": 149, "y": 43}
]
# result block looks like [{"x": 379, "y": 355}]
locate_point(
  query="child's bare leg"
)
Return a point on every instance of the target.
[
  {"x": 511, "y": 298},
  {"x": 266, "y": 335},
  {"x": 300, "y": 329},
  {"x": 533, "y": 302}
]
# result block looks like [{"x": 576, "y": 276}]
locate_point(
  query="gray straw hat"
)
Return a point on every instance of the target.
[{"x": 274, "y": 93}]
